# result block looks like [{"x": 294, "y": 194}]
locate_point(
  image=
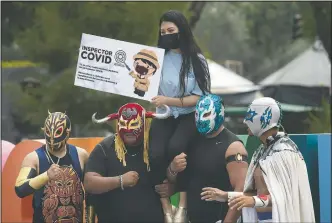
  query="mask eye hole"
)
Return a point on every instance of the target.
[
  {"x": 207, "y": 114},
  {"x": 122, "y": 123},
  {"x": 58, "y": 132},
  {"x": 47, "y": 131}
]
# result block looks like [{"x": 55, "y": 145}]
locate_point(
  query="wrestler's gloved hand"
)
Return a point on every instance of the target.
[{"x": 130, "y": 179}]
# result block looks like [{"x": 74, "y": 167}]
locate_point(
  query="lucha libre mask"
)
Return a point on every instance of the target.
[
  {"x": 263, "y": 114},
  {"x": 209, "y": 114},
  {"x": 56, "y": 129},
  {"x": 131, "y": 119}
]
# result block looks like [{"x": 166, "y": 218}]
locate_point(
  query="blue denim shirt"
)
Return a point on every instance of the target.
[{"x": 170, "y": 83}]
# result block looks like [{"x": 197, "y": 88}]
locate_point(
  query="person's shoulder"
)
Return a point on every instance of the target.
[
  {"x": 31, "y": 160},
  {"x": 235, "y": 137},
  {"x": 108, "y": 141},
  {"x": 285, "y": 144},
  {"x": 230, "y": 132},
  {"x": 236, "y": 147},
  {"x": 171, "y": 54},
  {"x": 82, "y": 152},
  {"x": 105, "y": 145},
  {"x": 231, "y": 136},
  {"x": 32, "y": 155}
]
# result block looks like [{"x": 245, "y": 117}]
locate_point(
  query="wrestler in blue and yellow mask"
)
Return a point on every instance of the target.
[
  {"x": 56, "y": 129},
  {"x": 209, "y": 114}
]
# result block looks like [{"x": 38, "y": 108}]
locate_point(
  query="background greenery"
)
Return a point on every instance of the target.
[{"x": 256, "y": 33}]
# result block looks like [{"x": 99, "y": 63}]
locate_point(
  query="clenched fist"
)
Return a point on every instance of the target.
[
  {"x": 179, "y": 163},
  {"x": 130, "y": 179},
  {"x": 53, "y": 172}
]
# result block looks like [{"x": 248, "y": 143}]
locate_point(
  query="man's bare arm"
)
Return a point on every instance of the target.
[
  {"x": 94, "y": 183},
  {"x": 83, "y": 156},
  {"x": 28, "y": 179},
  {"x": 237, "y": 171}
]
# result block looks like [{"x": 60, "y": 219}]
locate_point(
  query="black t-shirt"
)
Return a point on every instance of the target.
[
  {"x": 134, "y": 204},
  {"x": 207, "y": 168}
]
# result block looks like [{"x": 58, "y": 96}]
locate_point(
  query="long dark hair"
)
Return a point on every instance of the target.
[{"x": 190, "y": 52}]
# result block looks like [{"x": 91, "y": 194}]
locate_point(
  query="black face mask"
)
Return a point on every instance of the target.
[{"x": 170, "y": 41}]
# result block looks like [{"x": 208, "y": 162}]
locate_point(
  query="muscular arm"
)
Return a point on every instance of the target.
[
  {"x": 94, "y": 183},
  {"x": 237, "y": 171},
  {"x": 187, "y": 101},
  {"x": 28, "y": 181},
  {"x": 83, "y": 156},
  {"x": 95, "y": 178}
]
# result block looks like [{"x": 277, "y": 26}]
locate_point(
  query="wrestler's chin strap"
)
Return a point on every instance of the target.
[{"x": 28, "y": 182}]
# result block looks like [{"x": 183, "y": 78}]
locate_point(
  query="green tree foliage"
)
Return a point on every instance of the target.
[
  {"x": 53, "y": 37},
  {"x": 15, "y": 18},
  {"x": 322, "y": 15},
  {"x": 61, "y": 95},
  {"x": 55, "y": 33},
  {"x": 256, "y": 33}
]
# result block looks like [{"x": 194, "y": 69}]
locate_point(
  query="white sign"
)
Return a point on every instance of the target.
[{"x": 119, "y": 67}]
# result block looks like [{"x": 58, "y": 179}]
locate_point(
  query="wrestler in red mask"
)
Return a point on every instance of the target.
[{"x": 132, "y": 127}]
